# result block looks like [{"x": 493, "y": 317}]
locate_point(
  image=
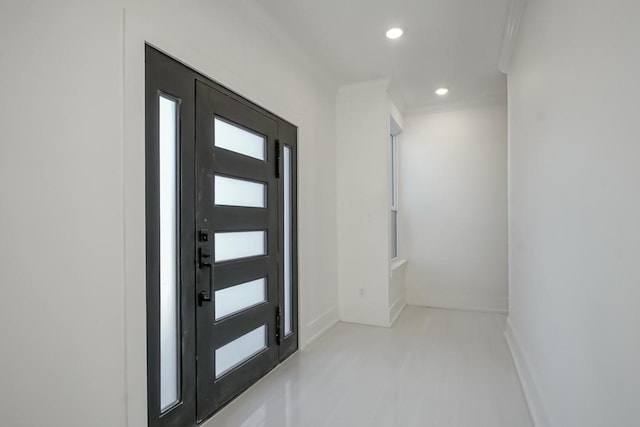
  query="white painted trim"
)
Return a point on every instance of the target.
[
  {"x": 397, "y": 100},
  {"x": 318, "y": 326},
  {"x": 395, "y": 121},
  {"x": 397, "y": 263},
  {"x": 463, "y": 308},
  {"x": 396, "y": 308},
  {"x": 440, "y": 298},
  {"x": 529, "y": 387},
  {"x": 366, "y": 314},
  {"x": 368, "y": 84},
  {"x": 510, "y": 35},
  {"x": 499, "y": 98}
]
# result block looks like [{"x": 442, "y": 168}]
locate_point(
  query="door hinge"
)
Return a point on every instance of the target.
[
  {"x": 278, "y": 155},
  {"x": 278, "y": 322}
]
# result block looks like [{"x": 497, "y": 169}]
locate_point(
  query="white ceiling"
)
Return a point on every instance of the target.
[{"x": 452, "y": 43}]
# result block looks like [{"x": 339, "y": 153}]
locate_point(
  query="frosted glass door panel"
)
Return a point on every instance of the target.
[
  {"x": 169, "y": 314},
  {"x": 240, "y": 297},
  {"x": 287, "y": 241},
  {"x": 234, "y": 138},
  {"x": 241, "y": 244},
  {"x": 239, "y": 192},
  {"x": 240, "y": 350}
]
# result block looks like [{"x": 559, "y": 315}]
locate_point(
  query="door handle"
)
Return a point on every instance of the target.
[
  {"x": 204, "y": 260},
  {"x": 204, "y": 252}
]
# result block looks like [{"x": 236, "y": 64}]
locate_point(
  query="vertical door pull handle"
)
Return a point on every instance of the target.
[{"x": 278, "y": 154}]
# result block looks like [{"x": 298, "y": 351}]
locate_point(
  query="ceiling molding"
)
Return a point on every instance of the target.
[
  {"x": 396, "y": 97},
  {"x": 379, "y": 83},
  {"x": 510, "y": 35},
  {"x": 440, "y": 107}
]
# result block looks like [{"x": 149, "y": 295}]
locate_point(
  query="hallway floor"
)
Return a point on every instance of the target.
[{"x": 440, "y": 368}]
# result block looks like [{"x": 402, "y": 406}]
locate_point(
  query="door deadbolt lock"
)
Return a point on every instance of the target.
[{"x": 204, "y": 252}]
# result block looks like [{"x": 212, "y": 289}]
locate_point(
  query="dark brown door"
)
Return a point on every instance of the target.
[
  {"x": 237, "y": 222},
  {"x": 221, "y": 226}
]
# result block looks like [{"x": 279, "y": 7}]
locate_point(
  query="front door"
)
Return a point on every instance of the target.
[
  {"x": 221, "y": 243},
  {"x": 237, "y": 222}
]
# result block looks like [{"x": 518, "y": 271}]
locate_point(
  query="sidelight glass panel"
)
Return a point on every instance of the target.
[
  {"x": 239, "y": 192},
  {"x": 169, "y": 291},
  {"x": 240, "y": 297},
  {"x": 234, "y": 138},
  {"x": 240, "y": 350},
  {"x": 241, "y": 244},
  {"x": 288, "y": 328}
]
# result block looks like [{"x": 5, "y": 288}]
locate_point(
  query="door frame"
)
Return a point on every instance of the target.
[{"x": 168, "y": 76}]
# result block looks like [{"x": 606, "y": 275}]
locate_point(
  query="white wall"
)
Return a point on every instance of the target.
[
  {"x": 575, "y": 210},
  {"x": 367, "y": 291},
  {"x": 72, "y": 299},
  {"x": 453, "y": 207},
  {"x": 363, "y": 126},
  {"x": 62, "y": 313}
]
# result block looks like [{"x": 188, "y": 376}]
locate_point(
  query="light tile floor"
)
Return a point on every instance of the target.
[{"x": 440, "y": 368}]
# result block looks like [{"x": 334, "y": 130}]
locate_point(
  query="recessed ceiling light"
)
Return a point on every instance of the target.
[
  {"x": 442, "y": 91},
  {"x": 394, "y": 33}
]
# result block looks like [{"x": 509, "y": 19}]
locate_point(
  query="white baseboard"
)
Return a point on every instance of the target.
[
  {"x": 529, "y": 387},
  {"x": 318, "y": 326},
  {"x": 464, "y": 308},
  {"x": 365, "y": 314},
  {"x": 456, "y": 300},
  {"x": 374, "y": 316},
  {"x": 396, "y": 308}
]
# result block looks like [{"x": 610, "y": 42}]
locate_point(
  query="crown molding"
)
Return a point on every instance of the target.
[
  {"x": 368, "y": 84},
  {"x": 510, "y": 35},
  {"x": 498, "y": 98},
  {"x": 396, "y": 97}
]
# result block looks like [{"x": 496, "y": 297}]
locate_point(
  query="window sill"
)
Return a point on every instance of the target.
[{"x": 396, "y": 264}]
